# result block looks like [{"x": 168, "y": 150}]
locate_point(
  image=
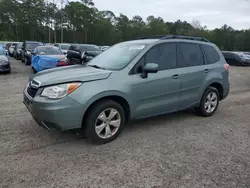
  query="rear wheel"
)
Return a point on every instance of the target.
[
  {"x": 104, "y": 122},
  {"x": 209, "y": 102}
]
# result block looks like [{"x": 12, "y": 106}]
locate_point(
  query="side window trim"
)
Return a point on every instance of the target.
[{"x": 205, "y": 59}]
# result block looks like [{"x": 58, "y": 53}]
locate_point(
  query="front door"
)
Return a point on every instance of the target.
[{"x": 159, "y": 92}]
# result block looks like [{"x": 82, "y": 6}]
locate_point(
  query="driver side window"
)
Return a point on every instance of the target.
[{"x": 165, "y": 55}]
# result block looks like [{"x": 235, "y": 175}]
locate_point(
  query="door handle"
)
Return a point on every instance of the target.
[
  {"x": 176, "y": 76},
  {"x": 207, "y": 70}
]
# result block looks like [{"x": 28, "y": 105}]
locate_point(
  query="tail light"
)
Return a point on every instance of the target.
[
  {"x": 62, "y": 63},
  {"x": 227, "y": 67}
]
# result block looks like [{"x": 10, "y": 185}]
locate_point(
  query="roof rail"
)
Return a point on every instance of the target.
[
  {"x": 151, "y": 37},
  {"x": 184, "y": 37}
]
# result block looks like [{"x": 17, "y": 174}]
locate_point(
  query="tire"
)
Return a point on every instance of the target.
[
  {"x": 203, "y": 109},
  {"x": 92, "y": 121},
  {"x": 22, "y": 59},
  {"x": 34, "y": 70}
]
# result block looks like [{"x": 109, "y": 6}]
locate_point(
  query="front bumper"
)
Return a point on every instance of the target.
[
  {"x": 5, "y": 68},
  {"x": 55, "y": 115}
]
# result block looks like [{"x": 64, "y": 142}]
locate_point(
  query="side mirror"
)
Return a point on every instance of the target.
[{"x": 149, "y": 68}]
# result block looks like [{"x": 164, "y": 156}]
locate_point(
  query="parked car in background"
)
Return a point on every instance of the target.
[
  {"x": 17, "y": 51},
  {"x": 104, "y": 48},
  {"x": 26, "y": 49},
  {"x": 76, "y": 53},
  {"x": 4, "y": 62},
  {"x": 11, "y": 48},
  {"x": 133, "y": 79},
  {"x": 236, "y": 58},
  {"x": 6, "y": 46},
  {"x": 54, "y": 58},
  {"x": 63, "y": 47}
]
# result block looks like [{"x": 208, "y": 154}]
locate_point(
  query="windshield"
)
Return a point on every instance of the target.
[
  {"x": 64, "y": 46},
  {"x": 118, "y": 56},
  {"x": 89, "y": 48},
  {"x": 48, "y": 51},
  {"x": 32, "y": 46}
]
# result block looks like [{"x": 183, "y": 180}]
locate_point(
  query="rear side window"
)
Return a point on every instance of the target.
[
  {"x": 211, "y": 54},
  {"x": 190, "y": 55}
]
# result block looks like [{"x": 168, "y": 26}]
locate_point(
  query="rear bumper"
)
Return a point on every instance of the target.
[
  {"x": 226, "y": 91},
  {"x": 55, "y": 115}
]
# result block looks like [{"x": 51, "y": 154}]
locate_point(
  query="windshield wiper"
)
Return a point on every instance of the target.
[{"x": 96, "y": 66}]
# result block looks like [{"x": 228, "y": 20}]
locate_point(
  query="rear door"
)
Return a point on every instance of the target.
[
  {"x": 159, "y": 92},
  {"x": 191, "y": 60}
]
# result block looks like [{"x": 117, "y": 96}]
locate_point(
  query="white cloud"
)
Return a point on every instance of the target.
[{"x": 212, "y": 13}]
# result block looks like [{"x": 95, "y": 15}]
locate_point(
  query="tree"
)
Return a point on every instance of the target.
[{"x": 80, "y": 21}]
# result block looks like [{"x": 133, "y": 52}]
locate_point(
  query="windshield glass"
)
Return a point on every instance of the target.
[
  {"x": 89, "y": 48},
  {"x": 118, "y": 56},
  {"x": 64, "y": 46},
  {"x": 48, "y": 51},
  {"x": 32, "y": 46}
]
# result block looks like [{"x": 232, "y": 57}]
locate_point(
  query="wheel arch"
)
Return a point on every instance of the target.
[{"x": 117, "y": 98}]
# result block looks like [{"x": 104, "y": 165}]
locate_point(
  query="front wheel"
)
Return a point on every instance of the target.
[
  {"x": 209, "y": 102},
  {"x": 104, "y": 122}
]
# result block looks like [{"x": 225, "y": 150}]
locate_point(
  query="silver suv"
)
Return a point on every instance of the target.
[{"x": 131, "y": 80}]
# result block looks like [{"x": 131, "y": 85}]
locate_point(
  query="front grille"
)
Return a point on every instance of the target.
[
  {"x": 32, "y": 91},
  {"x": 7, "y": 66}
]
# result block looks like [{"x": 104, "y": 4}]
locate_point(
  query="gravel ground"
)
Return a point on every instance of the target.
[{"x": 178, "y": 150}]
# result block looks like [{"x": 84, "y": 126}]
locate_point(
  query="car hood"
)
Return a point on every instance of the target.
[
  {"x": 70, "y": 74},
  {"x": 3, "y": 58}
]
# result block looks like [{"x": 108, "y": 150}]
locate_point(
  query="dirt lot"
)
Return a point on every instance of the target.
[{"x": 178, "y": 150}]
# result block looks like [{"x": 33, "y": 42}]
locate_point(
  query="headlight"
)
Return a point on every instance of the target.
[
  {"x": 28, "y": 53},
  {"x": 59, "y": 91}
]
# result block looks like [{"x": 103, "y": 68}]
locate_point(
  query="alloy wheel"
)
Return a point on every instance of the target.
[
  {"x": 211, "y": 102},
  {"x": 108, "y": 123}
]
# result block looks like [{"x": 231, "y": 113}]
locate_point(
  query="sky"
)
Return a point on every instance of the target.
[{"x": 212, "y": 13}]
